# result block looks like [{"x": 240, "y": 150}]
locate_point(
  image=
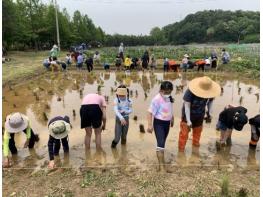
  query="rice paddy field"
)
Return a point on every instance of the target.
[{"x": 130, "y": 170}]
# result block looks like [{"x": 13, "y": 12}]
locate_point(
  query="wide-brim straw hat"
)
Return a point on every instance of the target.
[
  {"x": 185, "y": 55},
  {"x": 16, "y": 122},
  {"x": 121, "y": 91},
  {"x": 204, "y": 87},
  {"x": 59, "y": 129}
]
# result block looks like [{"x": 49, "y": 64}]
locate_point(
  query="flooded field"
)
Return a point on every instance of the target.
[{"x": 55, "y": 94}]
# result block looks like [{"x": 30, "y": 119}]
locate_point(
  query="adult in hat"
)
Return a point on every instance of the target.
[
  {"x": 230, "y": 118},
  {"x": 161, "y": 118},
  {"x": 122, "y": 109},
  {"x": 15, "y": 123},
  {"x": 93, "y": 116},
  {"x": 58, "y": 128},
  {"x": 185, "y": 62},
  {"x": 199, "y": 95}
]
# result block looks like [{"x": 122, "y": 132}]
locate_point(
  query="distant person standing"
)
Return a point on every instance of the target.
[
  {"x": 121, "y": 51},
  {"x": 118, "y": 62},
  {"x": 145, "y": 60},
  {"x": 89, "y": 63},
  {"x": 213, "y": 59},
  {"x": 96, "y": 57},
  {"x": 225, "y": 56},
  {"x": 165, "y": 64},
  {"x": 80, "y": 60},
  {"x": 185, "y": 62},
  {"x": 153, "y": 62},
  {"x": 68, "y": 59}
]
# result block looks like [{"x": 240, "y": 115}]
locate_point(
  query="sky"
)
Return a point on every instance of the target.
[{"x": 140, "y": 16}]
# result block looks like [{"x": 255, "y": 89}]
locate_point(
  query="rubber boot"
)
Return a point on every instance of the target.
[{"x": 160, "y": 157}]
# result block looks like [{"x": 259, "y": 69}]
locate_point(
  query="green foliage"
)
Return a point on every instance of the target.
[
  {"x": 29, "y": 24},
  {"x": 225, "y": 186},
  {"x": 217, "y": 25}
]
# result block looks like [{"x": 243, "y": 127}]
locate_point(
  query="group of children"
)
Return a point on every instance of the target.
[{"x": 197, "y": 106}]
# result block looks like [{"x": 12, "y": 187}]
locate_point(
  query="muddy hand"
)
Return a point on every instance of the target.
[
  {"x": 26, "y": 143},
  {"x": 6, "y": 163},
  {"x": 51, "y": 164},
  {"x": 150, "y": 130},
  {"x": 172, "y": 123},
  {"x": 103, "y": 127},
  {"x": 123, "y": 122}
]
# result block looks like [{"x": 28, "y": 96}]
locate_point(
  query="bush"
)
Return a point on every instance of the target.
[{"x": 252, "y": 38}]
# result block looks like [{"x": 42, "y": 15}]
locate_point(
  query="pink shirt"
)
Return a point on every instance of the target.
[
  {"x": 90, "y": 99},
  {"x": 161, "y": 108}
]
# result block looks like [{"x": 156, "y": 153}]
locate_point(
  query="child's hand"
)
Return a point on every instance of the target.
[
  {"x": 123, "y": 122},
  {"x": 150, "y": 129},
  {"x": 172, "y": 122},
  {"x": 103, "y": 127},
  {"x": 6, "y": 163},
  {"x": 26, "y": 143},
  {"x": 51, "y": 164}
]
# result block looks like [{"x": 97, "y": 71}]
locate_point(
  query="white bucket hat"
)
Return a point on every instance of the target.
[
  {"x": 59, "y": 129},
  {"x": 16, "y": 122}
]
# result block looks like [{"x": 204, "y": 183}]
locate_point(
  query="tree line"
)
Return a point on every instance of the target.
[{"x": 30, "y": 24}]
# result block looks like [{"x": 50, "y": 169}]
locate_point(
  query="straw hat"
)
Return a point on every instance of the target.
[
  {"x": 59, "y": 129},
  {"x": 16, "y": 122},
  {"x": 185, "y": 55},
  {"x": 204, "y": 87},
  {"x": 121, "y": 91}
]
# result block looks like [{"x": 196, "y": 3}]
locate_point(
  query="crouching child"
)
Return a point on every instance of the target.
[
  {"x": 59, "y": 128},
  {"x": 230, "y": 118}
]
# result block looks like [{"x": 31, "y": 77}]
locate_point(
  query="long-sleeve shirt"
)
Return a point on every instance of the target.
[
  {"x": 123, "y": 108},
  {"x": 54, "y": 142},
  {"x": 7, "y": 138}
]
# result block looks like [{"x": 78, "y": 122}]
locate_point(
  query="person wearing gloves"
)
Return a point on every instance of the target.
[
  {"x": 160, "y": 119},
  {"x": 200, "y": 93},
  {"x": 15, "y": 123},
  {"x": 122, "y": 109},
  {"x": 58, "y": 128}
]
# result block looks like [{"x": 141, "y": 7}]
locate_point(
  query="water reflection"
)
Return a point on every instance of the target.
[{"x": 41, "y": 96}]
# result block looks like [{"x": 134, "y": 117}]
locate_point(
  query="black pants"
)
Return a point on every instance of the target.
[
  {"x": 89, "y": 67},
  {"x": 161, "y": 129},
  {"x": 214, "y": 64},
  {"x": 12, "y": 145},
  {"x": 201, "y": 66},
  {"x": 165, "y": 68},
  {"x": 54, "y": 146}
]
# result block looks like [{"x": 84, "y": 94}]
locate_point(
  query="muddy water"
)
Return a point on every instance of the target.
[{"x": 61, "y": 93}]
